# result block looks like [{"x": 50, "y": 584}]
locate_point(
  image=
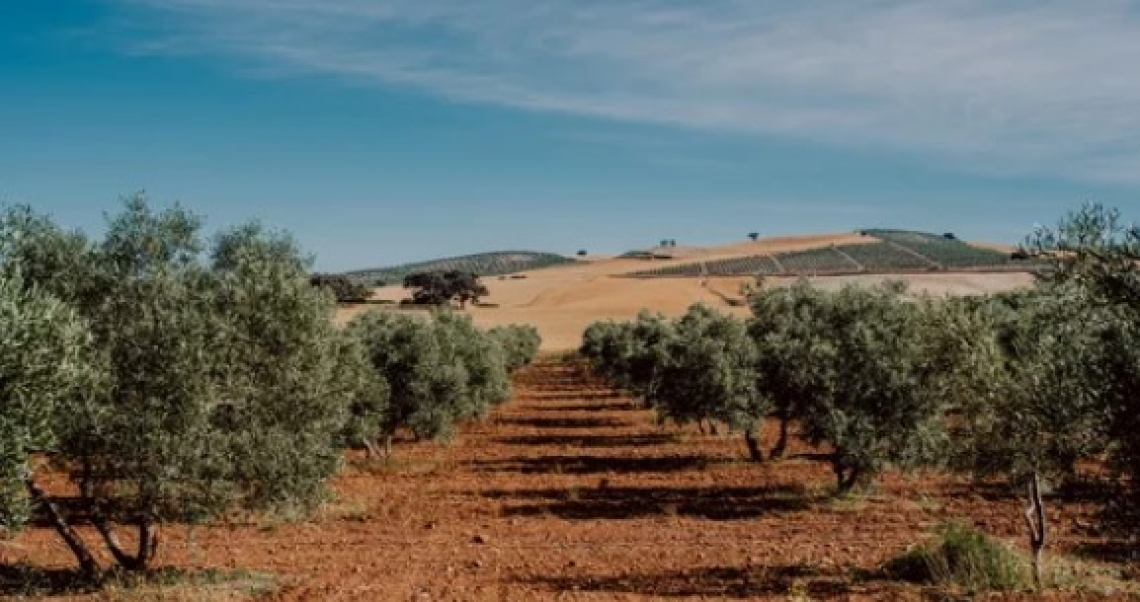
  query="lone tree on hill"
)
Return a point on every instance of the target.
[
  {"x": 342, "y": 287},
  {"x": 753, "y": 236},
  {"x": 440, "y": 288}
]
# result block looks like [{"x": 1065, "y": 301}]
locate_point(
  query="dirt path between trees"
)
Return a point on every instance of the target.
[{"x": 571, "y": 492}]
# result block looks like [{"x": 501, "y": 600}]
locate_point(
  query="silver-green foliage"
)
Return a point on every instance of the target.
[
  {"x": 519, "y": 343},
  {"x": 226, "y": 383},
  {"x": 851, "y": 364},
  {"x": 45, "y": 360},
  {"x": 1045, "y": 410},
  {"x": 708, "y": 372},
  {"x": 1096, "y": 262},
  {"x": 439, "y": 371},
  {"x": 870, "y": 405},
  {"x": 630, "y": 354},
  {"x": 697, "y": 368},
  {"x": 782, "y": 328},
  {"x": 1080, "y": 350}
]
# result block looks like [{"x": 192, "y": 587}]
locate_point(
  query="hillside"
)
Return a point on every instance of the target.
[
  {"x": 561, "y": 300},
  {"x": 484, "y": 264},
  {"x": 876, "y": 252}
]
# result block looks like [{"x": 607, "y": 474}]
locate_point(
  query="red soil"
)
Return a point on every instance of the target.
[{"x": 572, "y": 492}]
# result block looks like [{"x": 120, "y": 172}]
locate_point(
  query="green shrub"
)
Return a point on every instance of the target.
[
  {"x": 488, "y": 382},
  {"x": 45, "y": 359},
  {"x": 964, "y": 557}
]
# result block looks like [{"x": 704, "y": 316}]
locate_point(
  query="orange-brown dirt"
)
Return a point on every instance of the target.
[{"x": 570, "y": 491}]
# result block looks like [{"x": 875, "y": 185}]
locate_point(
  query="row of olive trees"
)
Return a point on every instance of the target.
[
  {"x": 852, "y": 367},
  {"x": 171, "y": 379},
  {"x": 698, "y": 368},
  {"x": 1015, "y": 384},
  {"x": 1023, "y": 385},
  {"x": 432, "y": 373}
]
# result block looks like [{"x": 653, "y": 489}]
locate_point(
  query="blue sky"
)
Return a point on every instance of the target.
[{"x": 383, "y": 131}]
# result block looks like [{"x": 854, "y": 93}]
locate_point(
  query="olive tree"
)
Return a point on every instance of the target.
[
  {"x": 46, "y": 360},
  {"x": 520, "y": 344},
  {"x": 605, "y": 348},
  {"x": 630, "y": 354},
  {"x": 1047, "y": 411},
  {"x": 1093, "y": 264},
  {"x": 1044, "y": 406},
  {"x": 482, "y": 357},
  {"x": 225, "y": 384},
  {"x": 428, "y": 386},
  {"x": 782, "y": 329},
  {"x": 865, "y": 396},
  {"x": 708, "y": 373}
]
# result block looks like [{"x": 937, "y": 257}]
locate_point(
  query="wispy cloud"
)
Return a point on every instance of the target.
[{"x": 1013, "y": 86}]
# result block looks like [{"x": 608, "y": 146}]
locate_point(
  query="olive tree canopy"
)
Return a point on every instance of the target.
[{"x": 226, "y": 383}]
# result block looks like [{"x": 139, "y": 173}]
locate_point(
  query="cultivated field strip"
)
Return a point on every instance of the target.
[{"x": 896, "y": 252}]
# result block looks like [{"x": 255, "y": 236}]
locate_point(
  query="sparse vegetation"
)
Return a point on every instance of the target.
[{"x": 964, "y": 558}]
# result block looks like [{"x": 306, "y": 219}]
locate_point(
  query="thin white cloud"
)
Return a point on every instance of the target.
[{"x": 1013, "y": 86}]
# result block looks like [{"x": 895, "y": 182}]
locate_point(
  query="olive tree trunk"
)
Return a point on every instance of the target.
[
  {"x": 78, "y": 547},
  {"x": 1035, "y": 520},
  {"x": 753, "y": 442}
]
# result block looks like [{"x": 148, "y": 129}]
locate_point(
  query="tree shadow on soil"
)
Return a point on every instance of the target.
[
  {"x": 1073, "y": 491},
  {"x": 605, "y": 502},
  {"x": 619, "y": 406},
  {"x": 564, "y": 423},
  {"x": 22, "y": 580},
  {"x": 989, "y": 491},
  {"x": 590, "y": 441},
  {"x": 569, "y": 394},
  {"x": 716, "y": 582},
  {"x": 580, "y": 465},
  {"x": 1118, "y": 551}
]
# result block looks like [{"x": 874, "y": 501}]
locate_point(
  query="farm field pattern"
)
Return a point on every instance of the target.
[
  {"x": 883, "y": 251},
  {"x": 562, "y": 300}
]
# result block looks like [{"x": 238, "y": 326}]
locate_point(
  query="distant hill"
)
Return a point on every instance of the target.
[
  {"x": 890, "y": 251},
  {"x": 483, "y": 264}
]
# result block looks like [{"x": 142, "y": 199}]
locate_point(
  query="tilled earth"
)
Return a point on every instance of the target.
[{"x": 570, "y": 491}]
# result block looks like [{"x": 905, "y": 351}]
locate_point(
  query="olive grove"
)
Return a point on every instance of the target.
[{"x": 174, "y": 378}]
